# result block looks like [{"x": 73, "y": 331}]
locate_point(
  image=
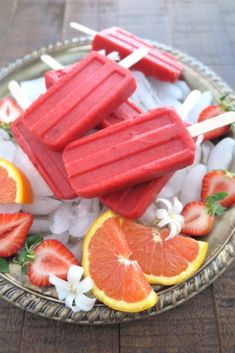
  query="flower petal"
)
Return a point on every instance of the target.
[
  {"x": 180, "y": 219},
  {"x": 85, "y": 285},
  {"x": 57, "y": 281},
  {"x": 161, "y": 213},
  {"x": 69, "y": 301},
  {"x": 85, "y": 303},
  {"x": 74, "y": 274},
  {"x": 173, "y": 231},
  {"x": 166, "y": 202},
  {"x": 177, "y": 205},
  {"x": 163, "y": 223}
]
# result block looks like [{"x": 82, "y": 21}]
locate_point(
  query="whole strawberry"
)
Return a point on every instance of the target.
[{"x": 199, "y": 217}]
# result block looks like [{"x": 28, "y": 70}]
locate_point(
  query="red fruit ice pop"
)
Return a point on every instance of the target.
[
  {"x": 126, "y": 110},
  {"x": 137, "y": 150},
  {"x": 80, "y": 100},
  {"x": 151, "y": 145},
  {"x": 158, "y": 64},
  {"x": 48, "y": 163}
]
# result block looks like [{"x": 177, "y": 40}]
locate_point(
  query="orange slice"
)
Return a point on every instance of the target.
[
  {"x": 14, "y": 186},
  {"x": 118, "y": 281},
  {"x": 165, "y": 262}
]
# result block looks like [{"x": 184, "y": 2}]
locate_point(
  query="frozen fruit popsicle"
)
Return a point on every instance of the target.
[
  {"x": 126, "y": 110},
  {"x": 134, "y": 151},
  {"x": 160, "y": 65},
  {"x": 80, "y": 100},
  {"x": 48, "y": 163},
  {"x": 132, "y": 202}
]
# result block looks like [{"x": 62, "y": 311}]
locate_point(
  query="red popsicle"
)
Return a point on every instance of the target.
[
  {"x": 79, "y": 101},
  {"x": 137, "y": 150},
  {"x": 126, "y": 110},
  {"x": 48, "y": 163},
  {"x": 158, "y": 64}
]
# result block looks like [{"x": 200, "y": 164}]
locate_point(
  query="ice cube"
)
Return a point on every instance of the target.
[
  {"x": 42, "y": 205},
  {"x": 221, "y": 155},
  {"x": 165, "y": 90},
  {"x": 184, "y": 87},
  {"x": 33, "y": 88},
  {"x": 203, "y": 102},
  {"x": 40, "y": 225},
  {"x": 63, "y": 237},
  {"x": 60, "y": 219},
  {"x": 76, "y": 249},
  {"x": 4, "y": 135},
  {"x": 191, "y": 189},
  {"x": 10, "y": 207},
  {"x": 7, "y": 150},
  {"x": 38, "y": 184}
]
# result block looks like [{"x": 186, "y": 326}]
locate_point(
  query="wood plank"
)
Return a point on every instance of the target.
[
  {"x": 34, "y": 24},
  {"x": 11, "y": 323},
  {"x": 43, "y": 335},
  {"x": 224, "y": 296},
  {"x": 182, "y": 330}
]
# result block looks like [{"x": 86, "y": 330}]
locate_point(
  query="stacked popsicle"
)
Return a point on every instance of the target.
[{"x": 127, "y": 163}]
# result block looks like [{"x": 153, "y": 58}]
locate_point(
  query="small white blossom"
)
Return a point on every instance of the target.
[
  {"x": 170, "y": 216},
  {"x": 72, "y": 291}
]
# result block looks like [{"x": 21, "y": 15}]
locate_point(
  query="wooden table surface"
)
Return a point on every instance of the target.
[{"x": 202, "y": 28}]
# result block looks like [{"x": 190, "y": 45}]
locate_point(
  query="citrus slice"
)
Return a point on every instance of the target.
[
  {"x": 118, "y": 281},
  {"x": 165, "y": 262},
  {"x": 14, "y": 186}
]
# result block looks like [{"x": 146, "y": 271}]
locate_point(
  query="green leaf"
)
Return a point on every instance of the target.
[
  {"x": 218, "y": 196},
  {"x": 22, "y": 256},
  {"x": 4, "y": 266},
  {"x": 33, "y": 240},
  {"x": 7, "y": 128},
  {"x": 225, "y": 104},
  {"x": 214, "y": 208},
  {"x": 25, "y": 269}
]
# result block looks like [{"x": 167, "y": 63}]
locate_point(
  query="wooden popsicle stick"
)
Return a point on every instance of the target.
[
  {"x": 51, "y": 62},
  {"x": 133, "y": 58},
  {"x": 83, "y": 29},
  {"x": 189, "y": 103},
  {"x": 211, "y": 124},
  {"x": 19, "y": 95},
  {"x": 127, "y": 62}
]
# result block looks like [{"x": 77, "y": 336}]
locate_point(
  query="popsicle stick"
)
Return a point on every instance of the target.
[
  {"x": 189, "y": 103},
  {"x": 212, "y": 124},
  {"x": 55, "y": 65},
  {"x": 133, "y": 58},
  {"x": 83, "y": 29},
  {"x": 19, "y": 95}
]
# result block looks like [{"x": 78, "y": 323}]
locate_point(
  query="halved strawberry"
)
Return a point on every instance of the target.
[
  {"x": 199, "y": 216},
  {"x": 208, "y": 113},
  {"x": 197, "y": 220},
  {"x": 49, "y": 257},
  {"x": 13, "y": 231},
  {"x": 219, "y": 181},
  {"x": 9, "y": 110}
]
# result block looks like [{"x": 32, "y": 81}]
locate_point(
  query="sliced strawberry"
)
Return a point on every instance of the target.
[
  {"x": 9, "y": 110},
  {"x": 219, "y": 181},
  {"x": 208, "y": 113},
  {"x": 50, "y": 257},
  {"x": 13, "y": 231},
  {"x": 197, "y": 220}
]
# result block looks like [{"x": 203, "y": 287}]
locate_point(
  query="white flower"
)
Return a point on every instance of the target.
[
  {"x": 170, "y": 216},
  {"x": 72, "y": 291}
]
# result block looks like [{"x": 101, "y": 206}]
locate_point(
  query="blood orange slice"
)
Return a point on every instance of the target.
[
  {"x": 14, "y": 186},
  {"x": 118, "y": 280},
  {"x": 165, "y": 262}
]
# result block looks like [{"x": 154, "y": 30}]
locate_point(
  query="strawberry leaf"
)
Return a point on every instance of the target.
[
  {"x": 4, "y": 266},
  {"x": 33, "y": 240},
  {"x": 214, "y": 208},
  {"x": 7, "y": 128},
  {"x": 25, "y": 269}
]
